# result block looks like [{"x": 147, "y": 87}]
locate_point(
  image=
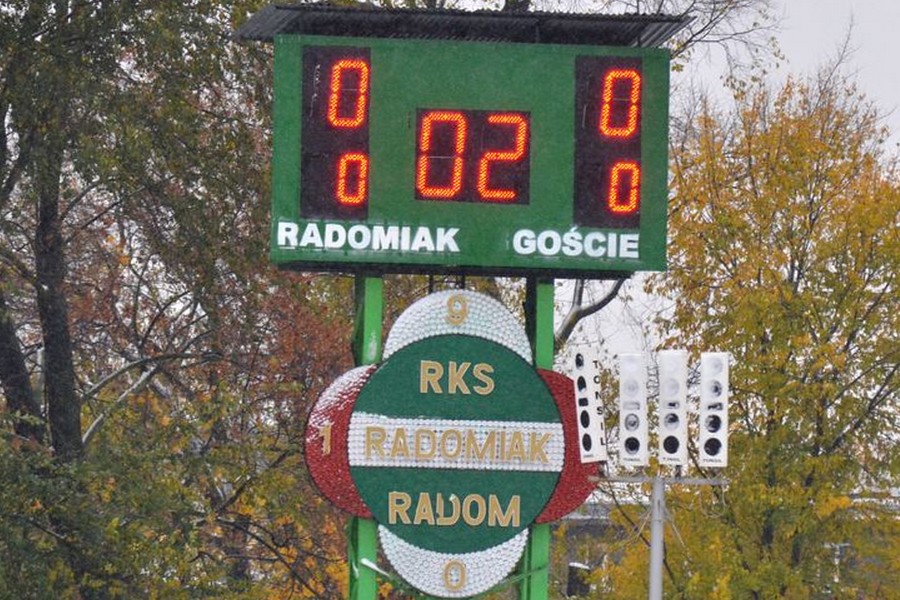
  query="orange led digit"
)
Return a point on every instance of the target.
[
  {"x": 337, "y": 89},
  {"x": 516, "y": 154},
  {"x": 423, "y": 163},
  {"x": 631, "y": 201},
  {"x": 342, "y": 189},
  {"x": 621, "y": 127}
]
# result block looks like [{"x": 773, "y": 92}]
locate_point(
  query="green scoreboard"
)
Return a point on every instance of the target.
[{"x": 469, "y": 157}]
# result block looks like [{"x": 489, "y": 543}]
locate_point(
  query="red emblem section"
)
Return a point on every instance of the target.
[
  {"x": 326, "y": 441},
  {"x": 577, "y": 480}
]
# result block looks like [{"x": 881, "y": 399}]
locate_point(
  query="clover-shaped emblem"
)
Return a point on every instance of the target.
[{"x": 455, "y": 444}]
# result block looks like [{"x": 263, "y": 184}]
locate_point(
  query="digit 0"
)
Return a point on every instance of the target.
[
  {"x": 625, "y": 125},
  {"x": 343, "y": 191},
  {"x": 337, "y": 89},
  {"x": 627, "y": 203},
  {"x": 454, "y": 575},
  {"x": 423, "y": 166}
]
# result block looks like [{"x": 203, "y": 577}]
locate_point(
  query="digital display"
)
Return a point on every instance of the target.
[
  {"x": 424, "y": 155},
  {"x": 472, "y": 156},
  {"x": 335, "y": 160},
  {"x": 607, "y": 142}
]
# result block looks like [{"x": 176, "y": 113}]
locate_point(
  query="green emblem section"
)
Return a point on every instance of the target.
[
  {"x": 456, "y": 444},
  {"x": 454, "y": 511},
  {"x": 458, "y": 377}
]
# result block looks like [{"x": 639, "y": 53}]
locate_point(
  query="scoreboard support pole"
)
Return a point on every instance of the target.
[
  {"x": 539, "y": 323},
  {"x": 367, "y": 346}
]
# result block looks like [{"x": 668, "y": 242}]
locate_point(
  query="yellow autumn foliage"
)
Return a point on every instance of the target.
[{"x": 785, "y": 252}]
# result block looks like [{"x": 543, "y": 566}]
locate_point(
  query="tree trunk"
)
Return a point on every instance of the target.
[
  {"x": 63, "y": 405},
  {"x": 20, "y": 398}
]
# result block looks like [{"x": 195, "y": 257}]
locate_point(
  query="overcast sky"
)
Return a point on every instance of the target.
[{"x": 812, "y": 31}]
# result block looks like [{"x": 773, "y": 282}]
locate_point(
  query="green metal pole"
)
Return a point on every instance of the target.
[
  {"x": 539, "y": 319},
  {"x": 367, "y": 346}
]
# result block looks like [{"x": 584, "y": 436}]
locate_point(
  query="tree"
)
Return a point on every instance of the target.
[
  {"x": 155, "y": 371},
  {"x": 785, "y": 252}
]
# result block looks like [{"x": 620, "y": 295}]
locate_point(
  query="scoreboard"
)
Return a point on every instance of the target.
[{"x": 468, "y": 157}]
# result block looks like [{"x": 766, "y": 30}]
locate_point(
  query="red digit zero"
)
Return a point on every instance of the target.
[
  {"x": 618, "y": 107},
  {"x": 439, "y": 161},
  {"x": 624, "y": 186},
  {"x": 355, "y": 165},
  {"x": 349, "y": 79}
]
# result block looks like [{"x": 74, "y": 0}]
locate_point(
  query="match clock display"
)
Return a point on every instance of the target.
[{"x": 415, "y": 155}]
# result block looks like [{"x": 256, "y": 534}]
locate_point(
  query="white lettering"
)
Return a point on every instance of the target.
[
  {"x": 523, "y": 242},
  {"x": 422, "y": 240},
  {"x": 551, "y": 248},
  {"x": 445, "y": 241},
  {"x": 335, "y": 235},
  {"x": 287, "y": 234},
  {"x": 628, "y": 246},
  {"x": 311, "y": 236},
  {"x": 571, "y": 243},
  {"x": 404, "y": 238},
  {"x": 593, "y": 244},
  {"x": 385, "y": 238},
  {"x": 359, "y": 237}
]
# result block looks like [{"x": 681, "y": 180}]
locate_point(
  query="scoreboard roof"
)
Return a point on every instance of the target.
[{"x": 641, "y": 30}]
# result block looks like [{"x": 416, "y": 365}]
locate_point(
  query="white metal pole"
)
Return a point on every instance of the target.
[{"x": 657, "y": 540}]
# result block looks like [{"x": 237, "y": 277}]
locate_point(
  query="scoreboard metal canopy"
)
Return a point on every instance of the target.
[{"x": 457, "y": 147}]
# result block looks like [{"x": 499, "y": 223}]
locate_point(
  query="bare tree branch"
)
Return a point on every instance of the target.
[{"x": 579, "y": 311}]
